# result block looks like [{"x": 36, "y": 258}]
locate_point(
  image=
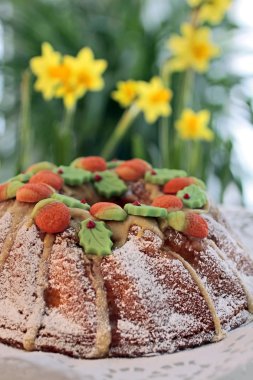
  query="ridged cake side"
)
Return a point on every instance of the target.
[
  {"x": 141, "y": 300},
  {"x": 154, "y": 304},
  {"x": 21, "y": 248}
]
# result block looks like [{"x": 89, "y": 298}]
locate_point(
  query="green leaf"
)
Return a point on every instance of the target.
[
  {"x": 70, "y": 201},
  {"x": 43, "y": 165},
  {"x": 110, "y": 184},
  {"x": 196, "y": 197},
  {"x": 161, "y": 176},
  {"x": 113, "y": 164},
  {"x": 97, "y": 240},
  {"x": 23, "y": 177},
  {"x": 12, "y": 188},
  {"x": 73, "y": 176},
  {"x": 145, "y": 210}
]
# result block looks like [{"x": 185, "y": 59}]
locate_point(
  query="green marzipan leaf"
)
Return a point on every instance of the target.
[
  {"x": 97, "y": 240},
  {"x": 12, "y": 189},
  {"x": 74, "y": 176},
  {"x": 43, "y": 165},
  {"x": 163, "y": 175},
  {"x": 70, "y": 201},
  {"x": 197, "y": 199},
  {"x": 110, "y": 185},
  {"x": 145, "y": 210},
  {"x": 113, "y": 164},
  {"x": 23, "y": 177}
]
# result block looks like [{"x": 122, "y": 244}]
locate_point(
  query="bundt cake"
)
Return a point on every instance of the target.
[{"x": 116, "y": 259}]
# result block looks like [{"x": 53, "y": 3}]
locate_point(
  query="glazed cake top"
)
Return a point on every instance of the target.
[{"x": 172, "y": 199}]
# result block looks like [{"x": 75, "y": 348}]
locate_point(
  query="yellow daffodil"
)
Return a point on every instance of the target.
[
  {"x": 154, "y": 99},
  {"x": 67, "y": 88},
  {"x": 212, "y": 11},
  {"x": 193, "y": 49},
  {"x": 80, "y": 74},
  {"x": 194, "y": 125},
  {"x": 195, "y": 3},
  {"x": 126, "y": 92},
  {"x": 89, "y": 71},
  {"x": 67, "y": 77},
  {"x": 45, "y": 67}
]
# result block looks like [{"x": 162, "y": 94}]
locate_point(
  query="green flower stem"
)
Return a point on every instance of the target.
[
  {"x": 68, "y": 119},
  {"x": 194, "y": 154},
  {"x": 25, "y": 134},
  {"x": 166, "y": 73},
  {"x": 183, "y": 102},
  {"x": 185, "y": 93},
  {"x": 164, "y": 139},
  {"x": 120, "y": 130},
  {"x": 65, "y": 138}
]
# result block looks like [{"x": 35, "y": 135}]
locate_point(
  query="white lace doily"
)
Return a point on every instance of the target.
[{"x": 230, "y": 359}]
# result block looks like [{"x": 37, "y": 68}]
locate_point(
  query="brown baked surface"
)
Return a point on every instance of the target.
[{"x": 151, "y": 295}]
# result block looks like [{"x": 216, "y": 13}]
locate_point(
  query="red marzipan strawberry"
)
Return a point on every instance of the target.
[
  {"x": 48, "y": 177},
  {"x": 3, "y": 191},
  {"x": 190, "y": 223},
  {"x": 176, "y": 184},
  {"x": 170, "y": 202},
  {"x": 108, "y": 211},
  {"x": 33, "y": 192},
  {"x": 99, "y": 207},
  {"x": 132, "y": 170},
  {"x": 53, "y": 218},
  {"x": 8, "y": 190},
  {"x": 91, "y": 163},
  {"x": 196, "y": 226}
]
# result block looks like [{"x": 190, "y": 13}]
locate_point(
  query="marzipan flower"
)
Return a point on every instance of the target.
[
  {"x": 192, "y": 50},
  {"x": 212, "y": 11},
  {"x": 126, "y": 92},
  {"x": 154, "y": 99},
  {"x": 194, "y": 125}
]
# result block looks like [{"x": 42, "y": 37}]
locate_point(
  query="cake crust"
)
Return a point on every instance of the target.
[{"x": 172, "y": 280}]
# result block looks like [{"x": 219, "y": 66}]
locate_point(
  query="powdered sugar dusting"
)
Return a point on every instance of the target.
[
  {"x": 237, "y": 257},
  {"x": 248, "y": 282},
  {"x": 220, "y": 281},
  {"x": 223, "y": 286},
  {"x": 69, "y": 323},
  {"x": 18, "y": 283},
  {"x": 154, "y": 304},
  {"x": 5, "y": 225},
  {"x": 151, "y": 298}
]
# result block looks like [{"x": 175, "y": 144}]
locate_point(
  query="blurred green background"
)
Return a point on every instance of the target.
[{"x": 131, "y": 36}]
